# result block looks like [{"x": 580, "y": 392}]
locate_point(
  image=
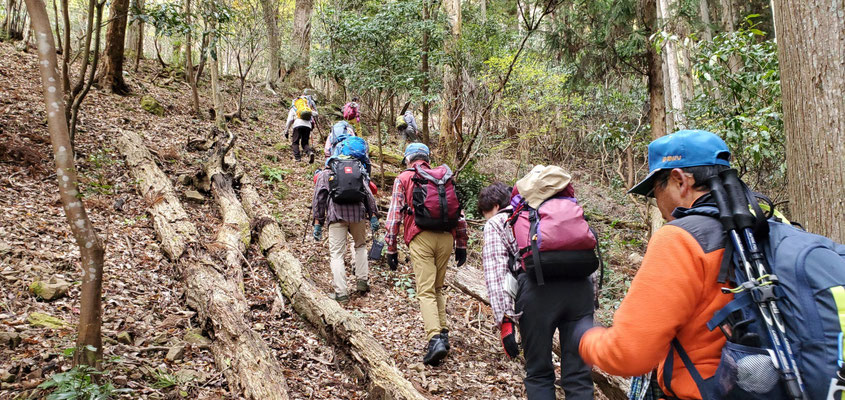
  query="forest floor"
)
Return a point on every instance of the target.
[{"x": 146, "y": 324}]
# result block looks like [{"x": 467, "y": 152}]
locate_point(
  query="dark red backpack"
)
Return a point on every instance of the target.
[
  {"x": 554, "y": 240},
  {"x": 434, "y": 201}
]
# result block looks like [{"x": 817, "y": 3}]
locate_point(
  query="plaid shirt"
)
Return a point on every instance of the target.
[
  {"x": 499, "y": 245},
  {"x": 395, "y": 215},
  {"x": 323, "y": 204}
]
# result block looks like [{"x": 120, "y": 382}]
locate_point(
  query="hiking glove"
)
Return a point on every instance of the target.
[
  {"x": 374, "y": 223},
  {"x": 509, "y": 338},
  {"x": 393, "y": 261},
  {"x": 460, "y": 256},
  {"x": 318, "y": 232}
]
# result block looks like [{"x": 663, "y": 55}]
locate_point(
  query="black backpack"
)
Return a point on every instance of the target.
[{"x": 346, "y": 181}]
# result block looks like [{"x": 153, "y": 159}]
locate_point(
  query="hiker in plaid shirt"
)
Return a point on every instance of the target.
[
  {"x": 430, "y": 253},
  {"x": 540, "y": 310},
  {"x": 343, "y": 220}
]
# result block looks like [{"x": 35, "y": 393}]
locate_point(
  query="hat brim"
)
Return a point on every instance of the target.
[{"x": 644, "y": 188}]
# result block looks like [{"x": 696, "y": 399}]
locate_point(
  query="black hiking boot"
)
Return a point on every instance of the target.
[
  {"x": 435, "y": 351},
  {"x": 444, "y": 334},
  {"x": 362, "y": 286},
  {"x": 310, "y": 157}
]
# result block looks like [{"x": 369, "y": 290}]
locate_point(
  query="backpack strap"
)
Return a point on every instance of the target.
[
  {"x": 688, "y": 364},
  {"x": 534, "y": 218}
]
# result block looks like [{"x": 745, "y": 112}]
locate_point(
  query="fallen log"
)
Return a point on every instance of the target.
[
  {"x": 239, "y": 352},
  {"x": 234, "y": 234},
  {"x": 471, "y": 281},
  {"x": 333, "y": 321}
]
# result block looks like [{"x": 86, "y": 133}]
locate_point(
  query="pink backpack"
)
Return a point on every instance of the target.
[
  {"x": 350, "y": 111},
  {"x": 554, "y": 241}
]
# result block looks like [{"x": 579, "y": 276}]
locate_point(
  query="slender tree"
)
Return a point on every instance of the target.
[
  {"x": 451, "y": 112},
  {"x": 811, "y": 38},
  {"x": 426, "y": 71},
  {"x": 91, "y": 250},
  {"x": 666, "y": 11},
  {"x": 189, "y": 63},
  {"x": 111, "y": 75}
]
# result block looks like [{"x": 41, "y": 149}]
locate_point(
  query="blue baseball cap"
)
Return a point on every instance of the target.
[
  {"x": 414, "y": 149},
  {"x": 687, "y": 148}
]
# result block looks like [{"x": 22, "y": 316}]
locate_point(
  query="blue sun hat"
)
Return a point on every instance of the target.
[
  {"x": 682, "y": 149},
  {"x": 415, "y": 149}
]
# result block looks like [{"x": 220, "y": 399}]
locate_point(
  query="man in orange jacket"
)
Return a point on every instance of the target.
[{"x": 675, "y": 291}]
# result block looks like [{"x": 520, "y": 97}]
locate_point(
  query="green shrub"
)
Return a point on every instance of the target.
[{"x": 79, "y": 383}]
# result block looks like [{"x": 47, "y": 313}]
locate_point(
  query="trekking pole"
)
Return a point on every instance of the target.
[{"x": 736, "y": 218}]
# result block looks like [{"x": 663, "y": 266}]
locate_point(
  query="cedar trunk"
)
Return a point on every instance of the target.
[
  {"x": 451, "y": 119},
  {"x": 91, "y": 248},
  {"x": 270, "y": 11},
  {"x": 301, "y": 43},
  {"x": 111, "y": 76},
  {"x": 812, "y": 34}
]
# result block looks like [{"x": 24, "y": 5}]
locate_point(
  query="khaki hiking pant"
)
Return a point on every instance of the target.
[
  {"x": 430, "y": 253},
  {"x": 338, "y": 232}
]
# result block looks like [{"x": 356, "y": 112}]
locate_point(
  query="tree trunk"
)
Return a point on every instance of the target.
[
  {"x": 451, "y": 120},
  {"x": 426, "y": 71},
  {"x": 270, "y": 11},
  {"x": 91, "y": 248},
  {"x": 111, "y": 76},
  {"x": 657, "y": 100},
  {"x": 189, "y": 64},
  {"x": 66, "y": 50},
  {"x": 470, "y": 280},
  {"x": 301, "y": 43},
  {"x": 333, "y": 321},
  {"x": 728, "y": 18},
  {"x": 80, "y": 91},
  {"x": 813, "y": 78},
  {"x": 704, "y": 11},
  {"x": 58, "y": 31},
  {"x": 239, "y": 352},
  {"x": 135, "y": 36},
  {"x": 666, "y": 11},
  {"x": 215, "y": 85}
]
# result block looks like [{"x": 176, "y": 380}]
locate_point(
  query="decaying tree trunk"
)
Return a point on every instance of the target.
[
  {"x": 471, "y": 281},
  {"x": 239, "y": 352},
  {"x": 234, "y": 234},
  {"x": 91, "y": 249},
  {"x": 333, "y": 321}
]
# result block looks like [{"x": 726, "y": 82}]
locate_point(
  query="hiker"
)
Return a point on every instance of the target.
[
  {"x": 340, "y": 131},
  {"x": 351, "y": 112},
  {"x": 540, "y": 308},
  {"x": 675, "y": 291},
  {"x": 303, "y": 117},
  {"x": 406, "y": 124},
  {"x": 343, "y": 200},
  {"x": 433, "y": 223}
]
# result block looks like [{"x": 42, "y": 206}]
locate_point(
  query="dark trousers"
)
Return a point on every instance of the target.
[
  {"x": 301, "y": 134},
  {"x": 557, "y": 305}
]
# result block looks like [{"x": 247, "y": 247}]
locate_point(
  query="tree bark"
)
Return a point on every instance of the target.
[
  {"x": 728, "y": 19},
  {"x": 451, "y": 112},
  {"x": 239, "y": 352},
  {"x": 135, "y": 36},
  {"x": 91, "y": 248},
  {"x": 704, "y": 11},
  {"x": 215, "y": 85},
  {"x": 270, "y": 11},
  {"x": 666, "y": 13},
  {"x": 470, "y": 280},
  {"x": 189, "y": 64},
  {"x": 811, "y": 54},
  {"x": 657, "y": 100},
  {"x": 332, "y": 320},
  {"x": 111, "y": 76},
  {"x": 301, "y": 43}
]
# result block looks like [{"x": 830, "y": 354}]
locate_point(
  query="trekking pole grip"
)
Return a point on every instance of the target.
[
  {"x": 737, "y": 200},
  {"x": 717, "y": 191}
]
